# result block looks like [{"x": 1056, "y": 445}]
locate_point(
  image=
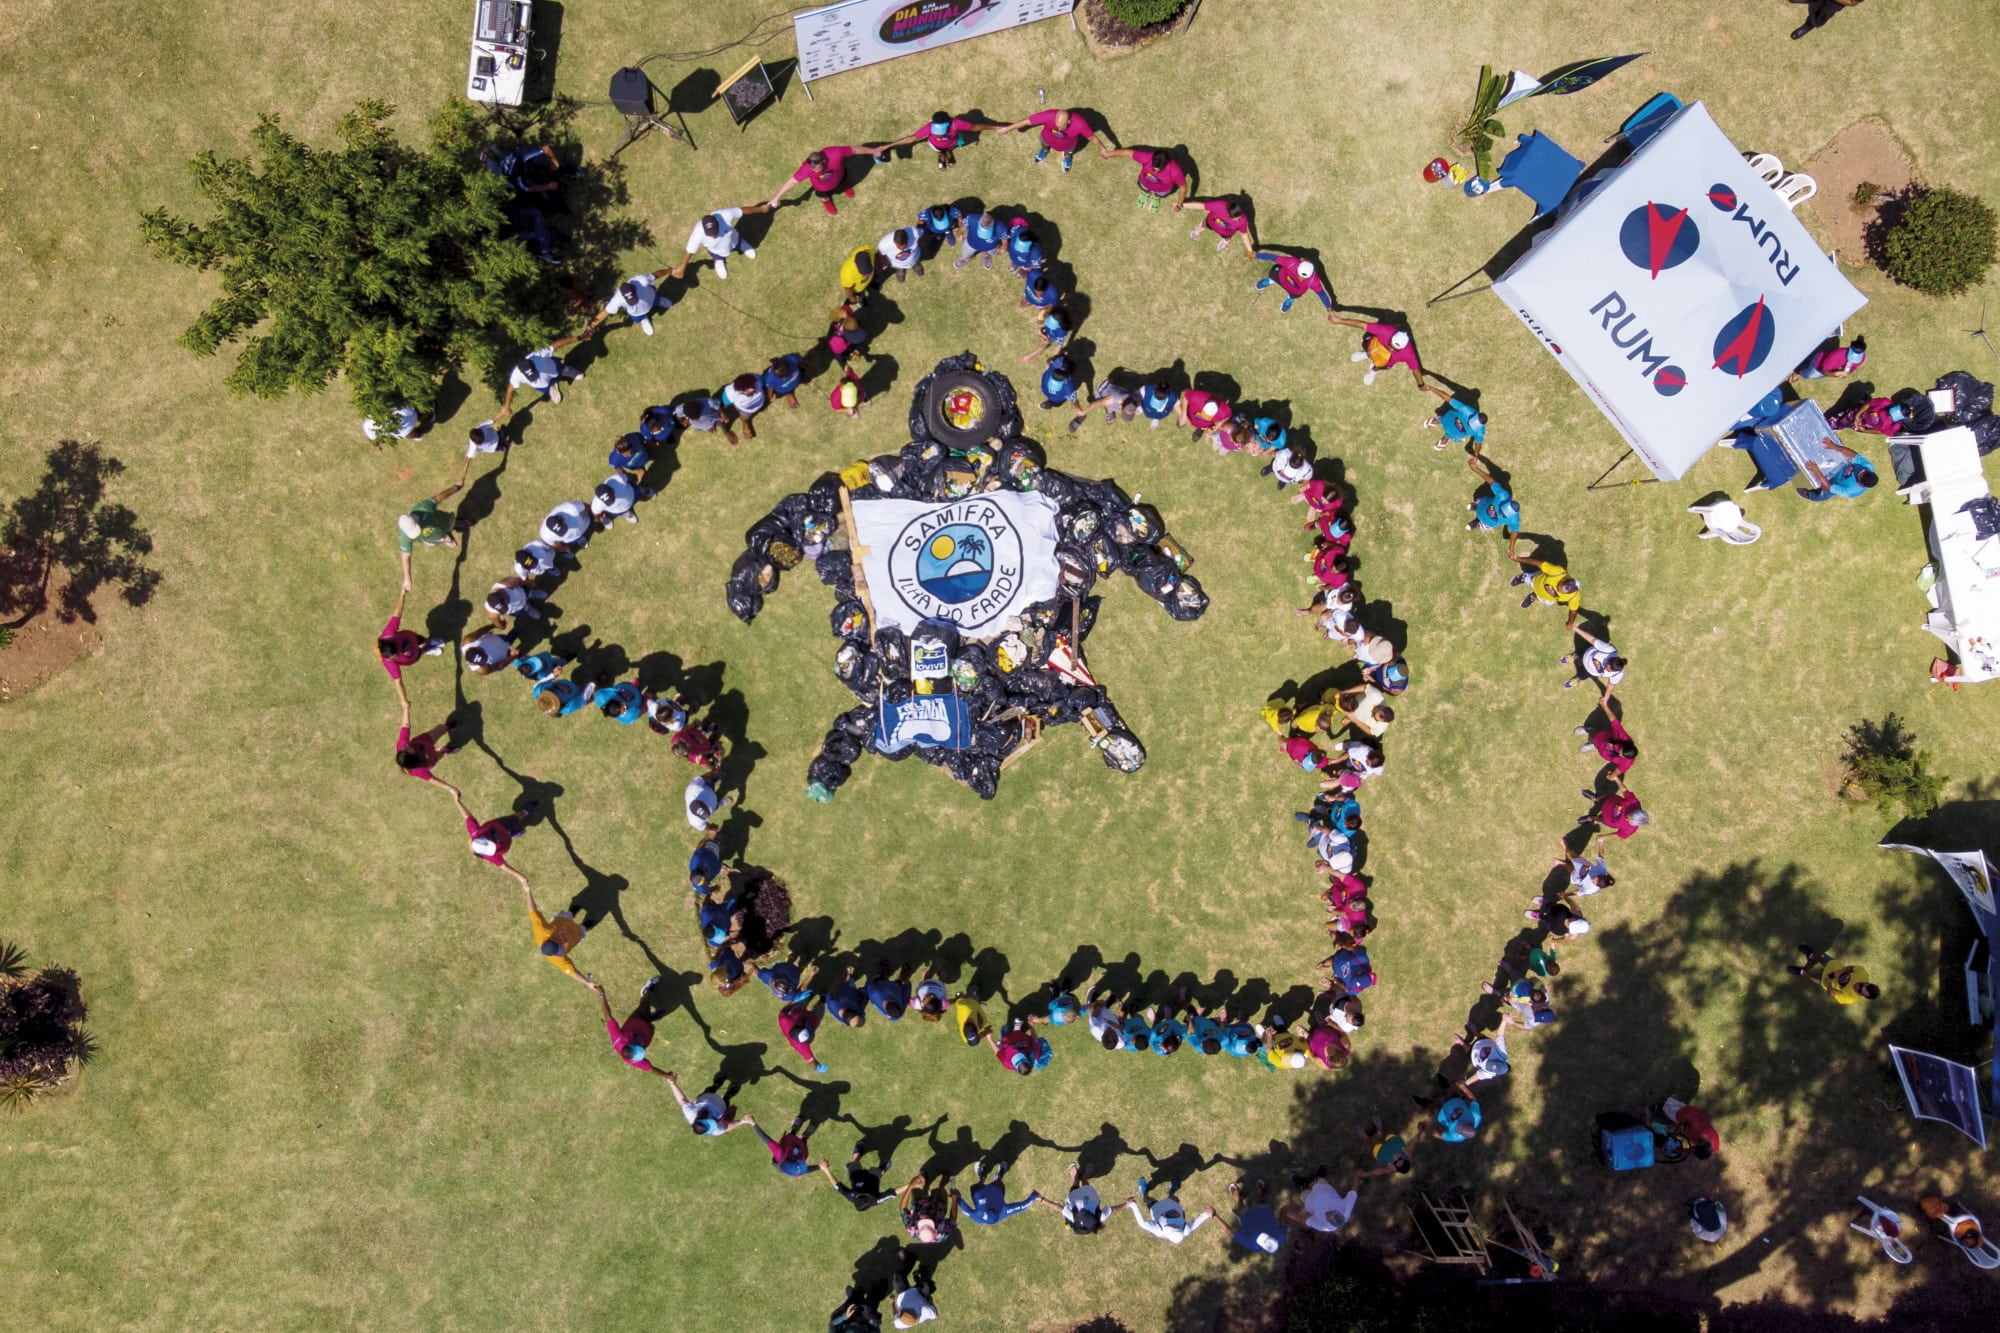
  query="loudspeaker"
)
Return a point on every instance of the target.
[{"x": 632, "y": 92}]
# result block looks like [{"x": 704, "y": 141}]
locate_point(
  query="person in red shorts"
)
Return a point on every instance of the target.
[
  {"x": 825, "y": 171},
  {"x": 1383, "y": 346},
  {"x": 1160, "y": 177},
  {"x": 1063, "y": 131},
  {"x": 1228, "y": 219},
  {"x": 1203, "y": 412}
]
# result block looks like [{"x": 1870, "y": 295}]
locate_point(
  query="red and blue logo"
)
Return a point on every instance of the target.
[
  {"x": 1669, "y": 380},
  {"x": 1658, "y": 236},
  {"x": 1723, "y": 197},
  {"x": 1744, "y": 342}
]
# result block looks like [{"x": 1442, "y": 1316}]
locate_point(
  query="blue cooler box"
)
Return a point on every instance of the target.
[{"x": 1623, "y": 1143}]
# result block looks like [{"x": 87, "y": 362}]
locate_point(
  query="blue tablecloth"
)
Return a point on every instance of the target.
[{"x": 1540, "y": 169}]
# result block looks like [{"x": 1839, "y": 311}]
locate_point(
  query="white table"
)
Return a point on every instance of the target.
[
  {"x": 497, "y": 71},
  {"x": 1965, "y": 598}
]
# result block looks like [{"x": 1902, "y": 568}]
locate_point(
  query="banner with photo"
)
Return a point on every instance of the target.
[
  {"x": 974, "y": 563},
  {"x": 925, "y": 720},
  {"x": 855, "y": 33},
  {"x": 1941, "y": 1089},
  {"x": 1968, "y": 870}
]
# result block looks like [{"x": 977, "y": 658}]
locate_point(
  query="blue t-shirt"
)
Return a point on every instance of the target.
[
  {"x": 713, "y": 918},
  {"x": 1055, "y": 326},
  {"x": 784, "y": 374},
  {"x": 571, "y": 694},
  {"x": 628, "y": 705},
  {"x": 1498, "y": 509},
  {"x": 1460, "y": 422},
  {"x": 1056, "y": 386},
  {"x": 1156, "y": 405},
  {"x": 885, "y": 991},
  {"x": 1240, "y": 1040},
  {"x": 539, "y": 666},
  {"x": 631, "y": 454},
  {"x": 1023, "y": 250},
  {"x": 1164, "y": 1029},
  {"x": 1844, "y": 481},
  {"x": 1260, "y": 1230},
  {"x": 1043, "y": 299},
  {"x": 1131, "y": 1030},
  {"x": 1063, "y": 1009},
  {"x": 984, "y": 233},
  {"x": 1457, "y": 1119},
  {"x": 1269, "y": 433},
  {"x": 656, "y": 425},
  {"x": 727, "y": 963},
  {"x": 704, "y": 864},
  {"x": 782, "y": 980},
  {"x": 939, "y": 219},
  {"x": 847, "y": 1001},
  {"x": 1202, "y": 1028}
]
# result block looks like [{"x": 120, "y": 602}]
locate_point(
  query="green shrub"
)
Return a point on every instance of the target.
[
  {"x": 1943, "y": 242},
  {"x": 1143, "y": 13},
  {"x": 6, "y": 636},
  {"x": 1866, "y": 193},
  {"x": 1884, "y": 765}
]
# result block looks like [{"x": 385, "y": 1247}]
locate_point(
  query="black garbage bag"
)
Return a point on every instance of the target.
[
  {"x": 994, "y": 737},
  {"x": 1919, "y": 414},
  {"x": 1188, "y": 600},
  {"x": 836, "y": 570},
  {"x": 828, "y": 773},
  {"x": 840, "y": 747},
  {"x": 1076, "y": 572},
  {"x": 823, "y": 497},
  {"x": 1108, "y": 495},
  {"x": 1975, "y": 396},
  {"x": 857, "y": 669},
  {"x": 1021, "y": 464},
  {"x": 1122, "y": 751},
  {"x": 982, "y": 774},
  {"x": 1986, "y": 430},
  {"x": 772, "y": 527},
  {"x": 849, "y": 620},
  {"x": 744, "y": 603},
  {"x": 1087, "y": 618},
  {"x": 1104, "y": 552},
  {"x": 887, "y": 471},
  {"x": 1058, "y": 486},
  {"x": 858, "y": 722},
  {"x": 1079, "y": 521},
  {"x": 894, "y": 651},
  {"x": 1156, "y": 575},
  {"x": 753, "y": 572}
]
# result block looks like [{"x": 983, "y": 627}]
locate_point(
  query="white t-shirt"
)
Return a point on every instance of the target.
[
  {"x": 1327, "y": 1209},
  {"x": 648, "y": 298},
  {"x": 1364, "y": 712},
  {"x": 898, "y": 258},
  {"x": 406, "y": 420},
  {"x": 622, "y": 496},
  {"x": 754, "y": 401},
  {"x": 1169, "y": 1221},
  {"x": 544, "y": 556},
  {"x": 1102, "y": 1020},
  {"x": 1489, "y": 1058},
  {"x": 1581, "y": 870},
  {"x": 700, "y": 790},
  {"x": 914, "y": 1302},
  {"x": 1291, "y": 467},
  {"x": 544, "y": 368},
  {"x": 1084, "y": 1199},
  {"x": 515, "y": 599},
  {"x": 489, "y": 646},
  {"x": 1338, "y": 1017},
  {"x": 1375, "y": 650},
  {"x": 723, "y": 244},
  {"x": 707, "y": 1105},
  {"x": 578, "y": 523},
  {"x": 482, "y": 439},
  {"x": 1595, "y": 660}
]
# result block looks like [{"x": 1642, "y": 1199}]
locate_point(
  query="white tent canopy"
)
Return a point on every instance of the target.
[{"x": 1679, "y": 293}]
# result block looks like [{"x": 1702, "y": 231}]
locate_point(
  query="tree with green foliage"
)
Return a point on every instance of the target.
[
  {"x": 374, "y": 259},
  {"x": 1143, "y": 13},
  {"x": 42, "y": 1038},
  {"x": 1884, "y": 765},
  {"x": 1942, "y": 243}
]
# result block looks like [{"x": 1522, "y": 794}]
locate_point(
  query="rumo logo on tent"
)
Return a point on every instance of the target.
[
  {"x": 1725, "y": 201},
  {"x": 1615, "y": 317},
  {"x": 1656, "y": 237},
  {"x": 1742, "y": 344}
]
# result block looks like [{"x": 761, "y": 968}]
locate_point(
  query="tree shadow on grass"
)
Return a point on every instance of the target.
[{"x": 65, "y": 523}]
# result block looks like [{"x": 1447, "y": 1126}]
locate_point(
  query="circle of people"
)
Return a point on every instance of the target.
[{"x": 1337, "y": 736}]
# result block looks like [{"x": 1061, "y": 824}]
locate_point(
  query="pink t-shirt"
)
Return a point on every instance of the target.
[
  {"x": 828, "y": 178},
  {"x": 409, "y": 647},
  {"x": 1602, "y": 740},
  {"x": 949, "y": 139},
  {"x": 633, "y": 1031},
  {"x": 430, "y": 754},
  {"x": 1325, "y": 571},
  {"x": 1221, "y": 223},
  {"x": 1616, "y": 814},
  {"x": 1323, "y": 1041},
  {"x": 495, "y": 830},
  {"x": 1293, "y": 283},
  {"x": 1322, "y": 497},
  {"x": 1405, "y": 355},
  {"x": 1162, "y": 181},
  {"x": 1205, "y": 409},
  {"x": 799, "y": 1026},
  {"x": 1066, "y": 140}
]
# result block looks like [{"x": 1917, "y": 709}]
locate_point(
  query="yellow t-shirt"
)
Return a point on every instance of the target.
[
  {"x": 563, "y": 930},
  {"x": 1274, "y": 717},
  {"x": 1547, "y": 576},
  {"x": 1309, "y": 720},
  {"x": 1282, "y": 1047},
  {"x": 968, "y": 1013},
  {"x": 1378, "y": 351},
  {"x": 1840, "y": 982},
  {"x": 850, "y": 274}
]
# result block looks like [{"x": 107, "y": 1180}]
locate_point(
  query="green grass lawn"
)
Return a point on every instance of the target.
[{"x": 337, "y": 1086}]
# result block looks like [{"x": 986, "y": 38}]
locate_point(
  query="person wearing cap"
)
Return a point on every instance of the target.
[
  {"x": 1164, "y": 1217},
  {"x": 717, "y": 234},
  {"x": 988, "y": 1205},
  {"x": 1063, "y": 131},
  {"x": 1486, "y": 1055},
  {"x": 798, "y": 1023},
  {"x": 1493, "y": 506},
  {"x": 1548, "y": 583},
  {"x": 631, "y": 1038},
  {"x": 1160, "y": 177},
  {"x": 703, "y": 413},
  {"x": 845, "y": 337},
  {"x": 1283, "y": 1049},
  {"x": 490, "y": 840},
  {"x": 614, "y": 498},
  {"x": 783, "y": 377},
  {"x": 1202, "y": 412},
  {"x": 1851, "y": 480},
  {"x": 984, "y": 233},
  {"x": 703, "y": 805},
  {"x": 944, "y": 132},
  {"x": 428, "y": 525},
  {"x": 566, "y": 528},
  {"x": 710, "y": 1115},
  {"x": 902, "y": 252},
  {"x": 1460, "y": 422},
  {"x": 542, "y": 370},
  {"x": 415, "y": 755},
  {"x": 1454, "y": 1119},
  {"x": 746, "y": 397},
  {"x": 557, "y": 697},
  {"x": 847, "y": 395},
  {"x": 631, "y": 454},
  {"x": 1257, "y": 1227},
  {"x": 858, "y": 272},
  {"x": 396, "y": 647},
  {"x": 638, "y": 299},
  {"x": 484, "y": 438},
  {"x": 824, "y": 172},
  {"x": 404, "y": 423},
  {"x": 486, "y": 652},
  {"x": 1295, "y": 277},
  {"x": 788, "y": 1152},
  {"x": 556, "y": 936},
  {"x": 1383, "y": 346},
  {"x": 1557, "y": 915},
  {"x": 1057, "y": 325},
  {"x": 1836, "y": 362},
  {"x": 512, "y": 597}
]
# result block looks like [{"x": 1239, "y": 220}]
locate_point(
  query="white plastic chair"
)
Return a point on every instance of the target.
[
  {"x": 1724, "y": 519},
  {"x": 1884, "y": 1225},
  {"x": 1983, "y": 1255},
  {"x": 1796, "y": 188},
  {"x": 1769, "y": 168}
]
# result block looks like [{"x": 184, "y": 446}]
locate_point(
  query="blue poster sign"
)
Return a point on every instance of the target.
[{"x": 939, "y": 720}]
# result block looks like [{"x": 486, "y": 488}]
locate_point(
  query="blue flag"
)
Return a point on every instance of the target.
[
  {"x": 1571, "y": 78},
  {"x": 940, "y": 720}
]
